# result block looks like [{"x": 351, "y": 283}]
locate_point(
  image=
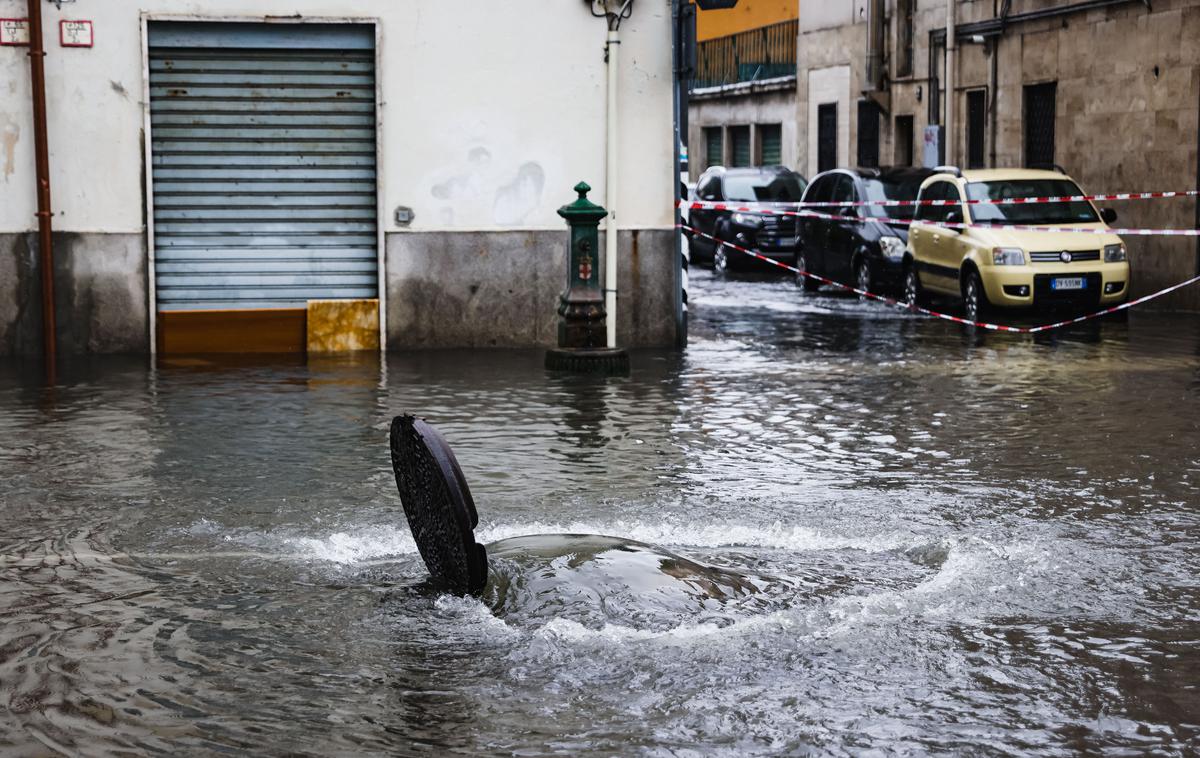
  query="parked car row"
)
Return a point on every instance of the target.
[{"x": 952, "y": 250}]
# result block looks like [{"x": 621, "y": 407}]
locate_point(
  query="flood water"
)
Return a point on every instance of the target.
[{"x": 981, "y": 544}]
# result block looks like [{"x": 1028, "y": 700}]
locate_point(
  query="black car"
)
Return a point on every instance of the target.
[
  {"x": 866, "y": 248},
  {"x": 771, "y": 236}
]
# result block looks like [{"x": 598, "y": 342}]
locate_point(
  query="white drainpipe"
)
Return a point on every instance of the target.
[
  {"x": 950, "y": 83},
  {"x": 612, "y": 51}
]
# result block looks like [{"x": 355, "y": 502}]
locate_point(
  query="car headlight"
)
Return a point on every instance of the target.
[
  {"x": 1115, "y": 253},
  {"x": 1008, "y": 256},
  {"x": 747, "y": 219},
  {"x": 892, "y": 247}
]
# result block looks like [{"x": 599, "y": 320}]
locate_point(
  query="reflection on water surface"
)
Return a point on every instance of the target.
[{"x": 947, "y": 542}]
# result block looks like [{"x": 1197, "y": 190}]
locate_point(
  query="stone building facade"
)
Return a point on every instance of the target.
[
  {"x": 742, "y": 103},
  {"x": 1108, "y": 89}
]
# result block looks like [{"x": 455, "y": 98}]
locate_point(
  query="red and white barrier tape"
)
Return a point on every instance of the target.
[
  {"x": 989, "y": 201},
  {"x": 946, "y": 316},
  {"x": 698, "y": 205}
]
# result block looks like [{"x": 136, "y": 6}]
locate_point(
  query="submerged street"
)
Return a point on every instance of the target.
[{"x": 966, "y": 542}]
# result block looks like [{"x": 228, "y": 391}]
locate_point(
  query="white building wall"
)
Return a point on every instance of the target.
[
  {"x": 490, "y": 112},
  {"x": 829, "y": 85}
]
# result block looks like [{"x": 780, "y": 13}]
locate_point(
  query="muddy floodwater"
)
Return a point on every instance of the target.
[{"x": 937, "y": 543}]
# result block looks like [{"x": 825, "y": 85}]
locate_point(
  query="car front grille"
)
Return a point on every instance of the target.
[
  {"x": 780, "y": 226},
  {"x": 777, "y": 231},
  {"x": 1055, "y": 256}
]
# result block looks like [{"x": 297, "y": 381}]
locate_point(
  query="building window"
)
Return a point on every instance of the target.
[
  {"x": 868, "y": 134},
  {"x": 904, "y": 38},
  {"x": 904, "y": 141},
  {"x": 771, "y": 141},
  {"x": 826, "y": 136},
  {"x": 714, "y": 147},
  {"x": 1039, "y": 124},
  {"x": 976, "y": 126},
  {"x": 739, "y": 138}
]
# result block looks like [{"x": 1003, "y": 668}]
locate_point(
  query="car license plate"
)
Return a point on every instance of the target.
[{"x": 1068, "y": 283}]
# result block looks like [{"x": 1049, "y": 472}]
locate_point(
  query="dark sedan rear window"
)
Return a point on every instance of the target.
[
  {"x": 765, "y": 188},
  {"x": 885, "y": 189}
]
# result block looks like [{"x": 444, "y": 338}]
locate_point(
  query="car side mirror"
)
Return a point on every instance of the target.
[
  {"x": 1108, "y": 215},
  {"x": 848, "y": 210},
  {"x": 953, "y": 217}
]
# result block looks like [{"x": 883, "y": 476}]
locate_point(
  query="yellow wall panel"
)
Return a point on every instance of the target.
[{"x": 749, "y": 14}]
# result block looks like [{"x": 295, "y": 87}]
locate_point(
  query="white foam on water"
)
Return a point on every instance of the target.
[
  {"x": 573, "y": 634},
  {"x": 712, "y": 535},
  {"x": 973, "y": 575},
  {"x": 472, "y": 612},
  {"x": 366, "y": 543},
  {"x": 356, "y": 546}
]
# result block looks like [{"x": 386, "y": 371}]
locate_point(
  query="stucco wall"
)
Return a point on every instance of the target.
[
  {"x": 100, "y": 294},
  {"x": 472, "y": 93},
  {"x": 830, "y": 70},
  {"x": 776, "y": 107},
  {"x": 489, "y": 113},
  {"x": 501, "y": 289}
]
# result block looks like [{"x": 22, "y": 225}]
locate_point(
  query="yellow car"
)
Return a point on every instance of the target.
[{"x": 999, "y": 268}]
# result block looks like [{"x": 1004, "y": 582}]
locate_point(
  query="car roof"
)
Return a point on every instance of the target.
[
  {"x": 995, "y": 175},
  {"x": 893, "y": 173},
  {"x": 1010, "y": 174},
  {"x": 744, "y": 170}
]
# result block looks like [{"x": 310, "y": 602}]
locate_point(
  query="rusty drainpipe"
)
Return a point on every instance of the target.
[{"x": 37, "y": 74}]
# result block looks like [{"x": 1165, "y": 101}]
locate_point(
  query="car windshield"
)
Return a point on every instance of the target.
[
  {"x": 891, "y": 189},
  {"x": 766, "y": 188},
  {"x": 1079, "y": 212}
]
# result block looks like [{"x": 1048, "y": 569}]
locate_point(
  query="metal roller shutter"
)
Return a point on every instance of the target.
[
  {"x": 740, "y": 137},
  {"x": 772, "y": 144},
  {"x": 263, "y": 149},
  {"x": 714, "y": 146}
]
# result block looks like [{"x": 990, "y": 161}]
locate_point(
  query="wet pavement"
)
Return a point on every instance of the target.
[{"x": 958, "y": 543}]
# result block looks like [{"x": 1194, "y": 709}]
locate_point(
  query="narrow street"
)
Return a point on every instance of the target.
[{"x": 959, "y": 541}]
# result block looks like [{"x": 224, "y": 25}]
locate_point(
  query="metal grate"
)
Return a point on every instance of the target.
[
  {"x": 777, "y": 228},
  {"x": 1055, "y": 256},
  {"x": 263, "y": 165}
]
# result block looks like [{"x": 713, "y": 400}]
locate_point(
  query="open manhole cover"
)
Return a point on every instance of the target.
[{"x": 438, "y": 505}]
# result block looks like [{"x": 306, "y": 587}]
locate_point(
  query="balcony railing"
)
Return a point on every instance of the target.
[{"x": 763, "y": 53}]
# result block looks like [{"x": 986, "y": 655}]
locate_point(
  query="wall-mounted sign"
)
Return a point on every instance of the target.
[
  {"x": 14, "y": 31},
  {"x": 75, "y": 33}
]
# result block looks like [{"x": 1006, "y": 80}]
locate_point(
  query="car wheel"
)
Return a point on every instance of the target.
[
  {"x": 806, "y": 283},
  {"x": 862, "y": 276},
  {"x": 914, "y": 296},
  {"x": 975, "y": 302},
  {"x": 720, "y": 259}
]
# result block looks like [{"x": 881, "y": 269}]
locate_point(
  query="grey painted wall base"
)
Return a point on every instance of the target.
[
  {"x": 445, "y": 289},
  {"x": 501, "y": 289},
  {"x": 100, "y": 294}
]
